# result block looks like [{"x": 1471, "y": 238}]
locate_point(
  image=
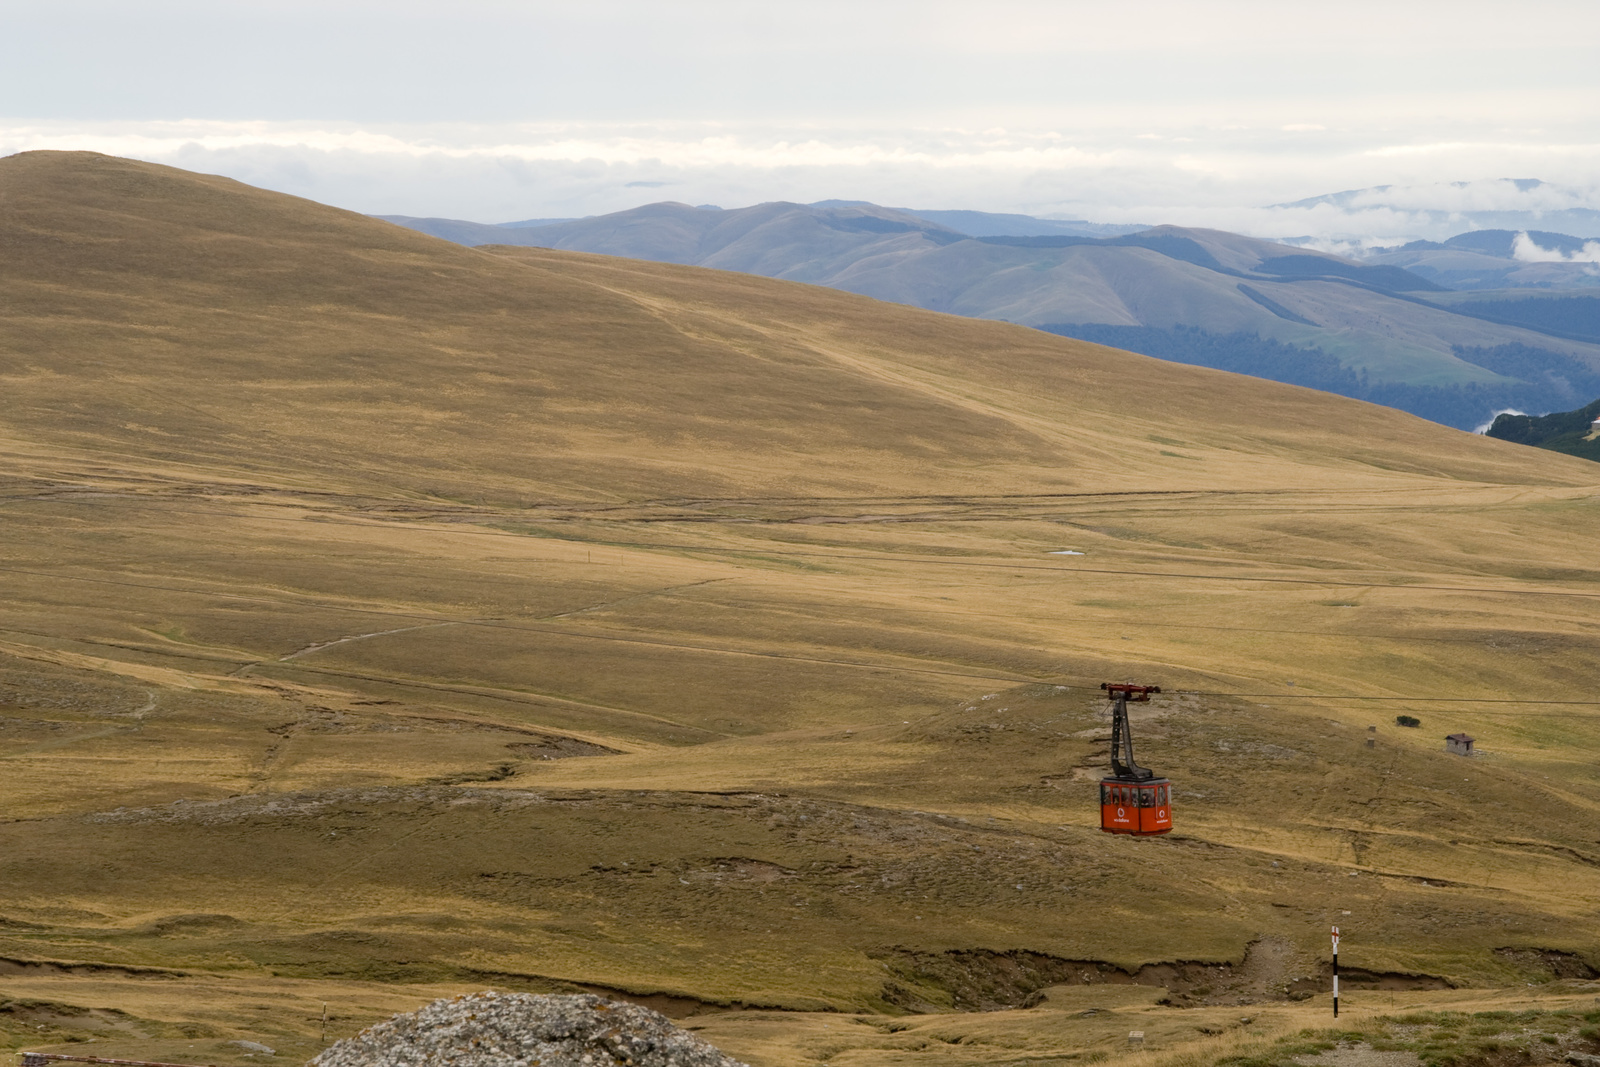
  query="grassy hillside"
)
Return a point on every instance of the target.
[
  {"x": 1367, "y": 330},
  {"x": 386, "y": 618}
]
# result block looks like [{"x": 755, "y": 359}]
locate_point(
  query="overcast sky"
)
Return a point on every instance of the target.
[{"x": 1194, "y": 112}]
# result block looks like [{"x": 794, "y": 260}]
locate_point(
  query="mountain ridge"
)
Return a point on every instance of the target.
[
  {"x": 355, "y": 326},
  {"x": 1397, "y": 335}
]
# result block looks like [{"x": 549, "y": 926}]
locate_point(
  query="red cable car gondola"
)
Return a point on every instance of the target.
[{"x": 1132, "y": 799}]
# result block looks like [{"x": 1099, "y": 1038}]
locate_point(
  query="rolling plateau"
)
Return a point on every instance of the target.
[{"x": 385, "y": 618}]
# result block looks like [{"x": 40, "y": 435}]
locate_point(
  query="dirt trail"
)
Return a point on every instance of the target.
[
  {"x": 980, "y": 980},
  {"x": 319, "y": 646}
]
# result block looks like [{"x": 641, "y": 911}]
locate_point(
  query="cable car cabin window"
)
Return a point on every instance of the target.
[{"x": 1147, "y": 798}]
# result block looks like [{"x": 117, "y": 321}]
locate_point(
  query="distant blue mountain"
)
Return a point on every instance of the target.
[
  {"x": 969, "y": 223},
  {"x": 473, "y": 233},
  {"x": 992, "y": 224},
  {"x": 528, "y": 224},
  {"x": 1367, "y": 328},
  {"x": 1500, "y": 259}
]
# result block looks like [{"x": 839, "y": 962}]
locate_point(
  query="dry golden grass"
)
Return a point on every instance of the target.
[{"x": 321, "y": 536}]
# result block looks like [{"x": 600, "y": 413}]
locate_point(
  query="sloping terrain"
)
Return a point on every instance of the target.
[
  {"x": 1571, "y": 432},
  {"x": 1370, "y": 330},
  {"x": 385, "y": 618}
]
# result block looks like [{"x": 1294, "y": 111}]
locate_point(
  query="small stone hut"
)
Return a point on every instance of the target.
[{"x": 1460, "y": 744}]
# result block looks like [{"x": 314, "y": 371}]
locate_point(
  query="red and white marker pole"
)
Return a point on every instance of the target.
[{"x": 1335, "y": 972}]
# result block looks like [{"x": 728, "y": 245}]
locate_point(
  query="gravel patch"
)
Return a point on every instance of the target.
[
  {"x": 1359, "y": 1054},
  {"x": 525, "y": 1030}
]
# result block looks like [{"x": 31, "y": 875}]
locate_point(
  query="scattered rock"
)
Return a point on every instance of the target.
[{"x": 524, "y": 1029}]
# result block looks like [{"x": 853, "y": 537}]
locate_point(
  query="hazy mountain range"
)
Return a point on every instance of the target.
[
  {"x": 1500, "y": 259},
  {"x": 970, "y": 223},
  {"x": 1371, "y": 329}
]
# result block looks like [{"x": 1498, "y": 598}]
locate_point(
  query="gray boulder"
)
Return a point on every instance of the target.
[{"x": 525, "y": 1030}]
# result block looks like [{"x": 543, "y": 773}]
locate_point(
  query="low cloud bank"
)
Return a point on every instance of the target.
[
  {"x": 1527, "y": 250},
  {"x": 1503, "y": 411},
  {"x": 1211, "y": 177}
]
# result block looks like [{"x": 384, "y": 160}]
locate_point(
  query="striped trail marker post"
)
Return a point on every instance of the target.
[{"x": 1335, "y": 972}]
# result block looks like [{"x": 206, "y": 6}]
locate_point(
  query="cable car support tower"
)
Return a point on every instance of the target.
[{"x": 1132, "y": 799}]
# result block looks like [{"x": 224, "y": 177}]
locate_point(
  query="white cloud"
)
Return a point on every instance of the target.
[
  {"x": 1527, "y": 250},
  {"x": 1484, "y": 428},
  {"x": 1160, "y": 111},
  {"x": 1187, "y": 171}
]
